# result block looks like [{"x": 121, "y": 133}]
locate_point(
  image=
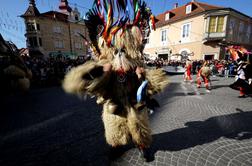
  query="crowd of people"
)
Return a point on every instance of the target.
[
  {"x": 238, "y": 66},
  {"x": 225, "y": 68},
  {"x": 51, "y": 71}
]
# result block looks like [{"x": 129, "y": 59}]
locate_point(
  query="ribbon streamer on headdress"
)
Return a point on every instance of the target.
[
  {"x": 233, "y": 50},
  {"x": 101, "y": 22}
]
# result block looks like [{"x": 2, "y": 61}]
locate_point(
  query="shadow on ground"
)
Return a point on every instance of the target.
[
  {"x": 219, "y": 86},
  {"x": 234, "y": 126}
]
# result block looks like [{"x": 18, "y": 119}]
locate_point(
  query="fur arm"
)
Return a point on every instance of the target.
[
  {"x": 157, "y": 81},
  {"x": 13, "y": 70},
  {"x": 87, "y": 78}
]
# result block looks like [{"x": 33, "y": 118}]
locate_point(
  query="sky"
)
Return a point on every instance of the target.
[{"x": 12, "y": 26}]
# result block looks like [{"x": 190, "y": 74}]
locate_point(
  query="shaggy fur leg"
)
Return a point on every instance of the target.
[
  {"x": 116, "y": 129},
  {"x": 138, "y": 124}
]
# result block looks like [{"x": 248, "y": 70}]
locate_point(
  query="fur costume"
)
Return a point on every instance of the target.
[
  {"x": 20, "y": 78},
  {"x": 117, "y": 76},
  {"x": 14, "y": 74}
]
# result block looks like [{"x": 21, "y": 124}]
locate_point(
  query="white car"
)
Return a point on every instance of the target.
[{"x": 174, "y": 69}]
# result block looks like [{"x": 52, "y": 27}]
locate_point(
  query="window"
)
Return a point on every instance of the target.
[
  {"x": 40, "y": 41},
  {"x": 163, "y": 36},
  {"x": 188, "y": 9},
  {"x": 231, "y": 28},
  {"x": 77, "y": 32},
  {"x": 33, "y": 41},
  {"x": 220, "y": 23},
  {"x": 185, "y": 31},
  {"x": 58, "y": 44},
  {"x": 241, "y": 30},
  {"x": 249, "y": 33},
  {"x": 212, "y": 24},
  {"x": 30, "y": 26},
  {"x": 77, "y": 45},
  {"x": 167, "y": 16},
  {"x": 76, "y": 17},
  {"x": 57, "y": 29},
  {"x": 241, "y": 27},
  {"x": 38, "y": 27},
  {"x": 216, "y": 24}
]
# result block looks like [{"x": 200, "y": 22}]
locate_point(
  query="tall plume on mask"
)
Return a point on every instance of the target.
[{"x": 109, "y": 17}]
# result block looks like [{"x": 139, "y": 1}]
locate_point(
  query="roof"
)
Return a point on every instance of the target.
[
  {"x": 31, "y": 12},
  {"x": 55, "y": 15},
  {"x": 179, "y": 13},
  {"x": 23, "y": 51}
]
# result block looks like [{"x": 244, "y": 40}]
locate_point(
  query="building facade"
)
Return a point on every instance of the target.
[
  {"x": 55, "y": 32},
  {"x": 198, "y": 31}
]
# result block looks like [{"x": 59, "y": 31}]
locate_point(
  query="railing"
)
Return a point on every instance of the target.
[{"x": 208, "y": 35}]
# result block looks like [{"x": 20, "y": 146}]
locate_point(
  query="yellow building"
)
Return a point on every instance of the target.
[
  {"x": 198, "y": 31},
  {"x": 55, "y": 33}
]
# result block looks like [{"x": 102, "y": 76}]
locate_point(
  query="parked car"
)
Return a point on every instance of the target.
[{"x": 174, "y": 69}]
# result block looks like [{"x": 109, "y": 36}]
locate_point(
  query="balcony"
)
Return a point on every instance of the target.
[
  {"x": 32, "y": 33},
  {"x": 214, "y": 35}
]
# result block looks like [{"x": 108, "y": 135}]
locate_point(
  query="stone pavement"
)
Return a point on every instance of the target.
[{"x": 192, "y": 127}]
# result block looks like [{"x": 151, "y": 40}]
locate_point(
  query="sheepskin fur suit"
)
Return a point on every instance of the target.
[
  {"x": 114, "y": 78},
  {"x": 18, "y": 75}
]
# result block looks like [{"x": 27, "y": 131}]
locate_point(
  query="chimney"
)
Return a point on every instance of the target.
[
  {"x": 175, "y": 5},
  {"x": 193, "y": 0}
]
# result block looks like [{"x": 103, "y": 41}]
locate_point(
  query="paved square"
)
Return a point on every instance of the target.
[
  {"x": 192, "y": 127},
  {"x": 195, "y": 127}
]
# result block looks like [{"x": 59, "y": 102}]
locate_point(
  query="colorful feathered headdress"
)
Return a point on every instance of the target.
[
  {"x": 237, "y": 52},
  {"x": 107, "y": 17}
]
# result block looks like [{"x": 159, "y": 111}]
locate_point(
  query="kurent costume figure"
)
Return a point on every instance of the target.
[
  {"x": 204, "y": 74},
  {"x": 14, "y": 74},
  {"x": 243, "y": 79},
  {"x": 117, "y": 76}
]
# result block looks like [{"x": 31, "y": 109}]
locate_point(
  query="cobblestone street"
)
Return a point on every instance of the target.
[{"x": 192, "y": 127}]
